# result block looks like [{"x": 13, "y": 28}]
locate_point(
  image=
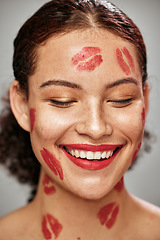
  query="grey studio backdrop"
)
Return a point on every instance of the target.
[{"x": 144, "y": 180}]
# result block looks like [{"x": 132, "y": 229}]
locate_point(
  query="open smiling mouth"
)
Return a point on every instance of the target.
[{"x": 92, "y": 160}]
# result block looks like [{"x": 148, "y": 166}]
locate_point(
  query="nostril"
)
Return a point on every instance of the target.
[{"x": 94, "y": 130}]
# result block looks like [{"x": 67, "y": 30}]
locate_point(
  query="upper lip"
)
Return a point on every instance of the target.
[{"x": 93, "y": 148}]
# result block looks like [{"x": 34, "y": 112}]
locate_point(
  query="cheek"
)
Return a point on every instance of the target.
[
  {"x": 50, "y": 227},
  {"x": 136, "y": 152},
  {"x": 32, "y": 118},
  {"x": 108, "y": 214},
  {"x": 129, "y": 122},
  {"x": 143, "y": 116},
  {"x": 51, "y": 125},
  {"x": 52, "y": 163}
]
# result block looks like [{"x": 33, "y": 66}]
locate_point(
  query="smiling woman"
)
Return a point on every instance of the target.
[{"x": 78, "y": 110}]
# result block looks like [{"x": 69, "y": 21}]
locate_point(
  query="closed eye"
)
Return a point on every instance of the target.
[
  {"x": 121, "y": 102},
  {"x": 62, "y": 104}
]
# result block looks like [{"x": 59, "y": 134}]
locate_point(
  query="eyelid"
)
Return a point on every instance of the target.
[
  {"x": 121, "y": 102},
  {"x": 62, "y": 104}
]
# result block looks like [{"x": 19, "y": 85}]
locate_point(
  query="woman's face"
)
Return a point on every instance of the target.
[{"x": 87, "y": 112}]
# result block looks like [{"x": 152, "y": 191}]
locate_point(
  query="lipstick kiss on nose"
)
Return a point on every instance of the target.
[{"x": 87, "y": 59}]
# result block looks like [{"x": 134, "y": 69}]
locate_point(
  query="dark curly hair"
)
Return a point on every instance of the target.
[{"x": 55, "y": 17}]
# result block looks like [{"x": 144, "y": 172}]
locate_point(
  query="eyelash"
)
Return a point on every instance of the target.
[
  {"x": 61, "y": 103},
  {"x": 122, "y": 102},
  {"x": 119, "y": 103}
]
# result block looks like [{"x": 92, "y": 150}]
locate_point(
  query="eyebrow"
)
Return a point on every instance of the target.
[
  {"x": 60, "y": 83},
  {"x": 122, "y": 81},
  {"x": 65, "y": 83}
]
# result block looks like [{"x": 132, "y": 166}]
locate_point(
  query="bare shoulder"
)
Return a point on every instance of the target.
[
  {"x": 147, "y": 217},
  {"x": 17, "y": 224},
  {"x": 12, "y": 225}
]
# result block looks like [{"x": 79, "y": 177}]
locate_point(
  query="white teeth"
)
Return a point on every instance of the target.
[
  {"x": 108, "y": 154},
  {"x": 104, "y": 155},
  {"x": 82, "y": 154},
  {"x": 91, "y": 155},
  {"x": 72, "y": 152},
  {"x": 97, "y": 155},
  {"x": 76, "y": 153}
]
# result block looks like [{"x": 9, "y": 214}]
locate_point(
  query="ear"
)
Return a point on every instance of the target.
[
  {"x": 146, "y": 92},
  {"x": 19, "y": 106}
]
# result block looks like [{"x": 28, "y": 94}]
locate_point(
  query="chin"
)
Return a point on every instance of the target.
[
  {"x": 93, "y": 196},
  {"x": 91, "y": 193}
]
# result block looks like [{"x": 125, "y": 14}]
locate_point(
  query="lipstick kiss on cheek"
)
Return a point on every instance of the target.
[
  {"x": 136, "y": 152},
  {"x": 52, "y": 162},
  {"x": 50, "y": 225},
  {"x": 32, "y": 118},
  {"x": 108, "y": 214},
  {"x": 87, "y": 59},
  {"x": 143, "y": 116}
]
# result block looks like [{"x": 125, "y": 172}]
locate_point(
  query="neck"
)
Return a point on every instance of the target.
[{"x": 60, "y": 210}]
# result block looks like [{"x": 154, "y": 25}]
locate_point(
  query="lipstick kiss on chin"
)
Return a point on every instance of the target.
[{"x": 92, "y": 164}]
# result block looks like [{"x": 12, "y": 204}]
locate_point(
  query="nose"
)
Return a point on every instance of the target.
[{"x": 94, "y": 122}]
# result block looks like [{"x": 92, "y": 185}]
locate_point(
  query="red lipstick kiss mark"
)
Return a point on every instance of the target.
[
  {"x": 143, "y": 116},
  {"x": 48, "y": 186},
  {"x": 54, "y": 226},
  {"x": 136, "y": 152},
  {"x": 119, "y": 186},
  {"x": 87, "y": 59},
  {"x": 126, "y": 67},
  {"x": 32, "y": 118},
  {"x": 108, "y": 214},
  {"x": 52, "y": 163}
]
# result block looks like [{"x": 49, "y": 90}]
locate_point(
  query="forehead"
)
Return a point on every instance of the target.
[
  {"x": 56, "y": 55},
  {"x": 67, "y": 44}
]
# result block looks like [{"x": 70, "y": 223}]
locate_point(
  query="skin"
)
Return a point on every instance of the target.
[
  {"x": 125, "y": 60},
  {"x": 87, "y": 59},
  {"x": 119, "y": 186},
  {"x": 48, "y": 185},
  {"x": 96, "y": 115},
  {"x": 54, "y": 226},
  {"x": 32, "y": 118},
  {"x": 108, "y": 214}
]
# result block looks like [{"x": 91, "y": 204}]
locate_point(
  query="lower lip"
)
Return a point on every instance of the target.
[{"x": 90, "y": 165}]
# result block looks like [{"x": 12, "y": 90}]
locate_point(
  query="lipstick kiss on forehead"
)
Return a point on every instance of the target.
[
  {"x": 87, "y": 59},
  {"x": 125, "y": 60}
]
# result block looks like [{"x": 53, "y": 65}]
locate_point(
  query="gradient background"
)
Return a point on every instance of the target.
[{"x": 143, "y": 181}]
